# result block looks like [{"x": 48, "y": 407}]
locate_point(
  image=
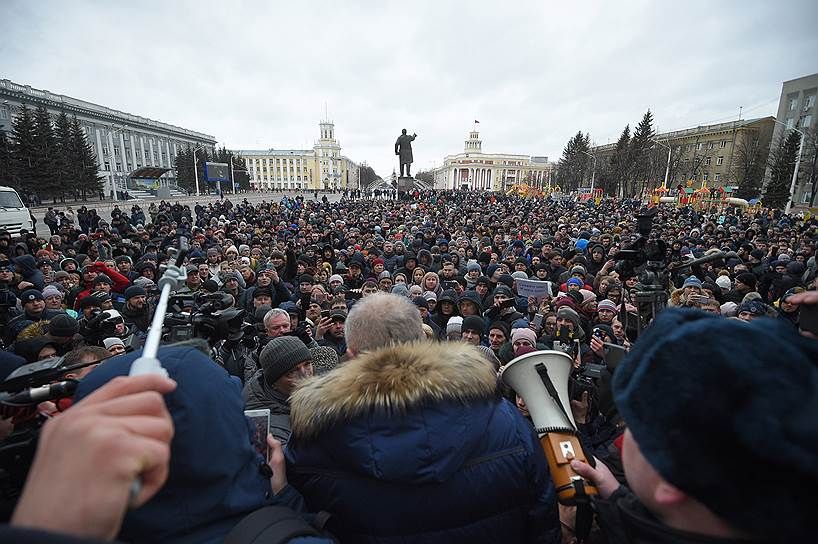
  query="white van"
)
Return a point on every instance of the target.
[{"x": 14, "y": 215}]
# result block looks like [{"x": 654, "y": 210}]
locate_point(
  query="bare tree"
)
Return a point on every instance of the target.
[{"x": 749, "y": 163}]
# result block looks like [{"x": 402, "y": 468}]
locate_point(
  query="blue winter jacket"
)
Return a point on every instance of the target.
[
  {"x": 214, "y": 479},
  {"x": 410, "y": 444}
]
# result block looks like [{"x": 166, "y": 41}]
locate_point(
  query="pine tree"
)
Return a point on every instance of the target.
[
  {"x": 6, "y": 177},
  {"x": 620, "y": 164},
  {"x": 21, "y": 158},
  {"x": 641, "y": 145},
  {"x": 65, "y": 159},
  {"x": 88, "y": 180},
  {"x": 573, "y": 166},
  {"x": 184, "y": 168},
  {"x": 45, "y": 152},
  {"x": 782, "y": 163}
]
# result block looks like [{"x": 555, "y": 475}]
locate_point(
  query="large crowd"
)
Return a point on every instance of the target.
[{"x": 376, "y": 333}]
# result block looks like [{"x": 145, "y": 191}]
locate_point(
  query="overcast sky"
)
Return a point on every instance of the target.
[{"x": 257, "y": 74}]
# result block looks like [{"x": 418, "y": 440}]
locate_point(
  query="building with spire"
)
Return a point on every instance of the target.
[
  {"x": 475, "y": 170},
  {"x": 321, "y": 168}
]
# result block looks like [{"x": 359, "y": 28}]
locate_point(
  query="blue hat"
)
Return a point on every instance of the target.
[
  {"x": 574, "y": 281},
  {"x": 581, "y": 244},
  {"x": 692, "y": 281},
  {"x": 30, "y": 295},
  {"x": 765, "y": 401}
]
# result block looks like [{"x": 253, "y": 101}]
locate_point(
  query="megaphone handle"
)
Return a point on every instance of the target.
[{"x": 560, "y": 448}]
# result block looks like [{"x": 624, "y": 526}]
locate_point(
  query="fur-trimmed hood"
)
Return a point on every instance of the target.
[{"x": 391, "y": 380}]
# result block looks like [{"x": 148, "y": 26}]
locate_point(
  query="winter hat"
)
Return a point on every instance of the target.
[
  {"x": 754, "y": 307},
  {"x": 30, "y": 295},
  {"x": 525, "y": 334},
  {"x": 281, "y": 355},
  {"x": 748, "y": 279},
  {"x": 607, "y": 305},
  {"x": 473, "y": 323},
  {"x": 135, "y": 291},
  {"x": 587, "y": 296},
  {"x": 724, "y": 282},
  {"x": 63, "y": 326},
  {"x": 669, "y": 410},
  {"x": 578, "y": 269},
  {"x": 430, "y": 295},
  {"x": 102, "y": 278},
  {"x": 400, "y": 289},
  {"x": 324, "y": 359},
  {"x": 454, "y": 325},
  {"x": 519, "y": 275},
  {"x": 113, "y": 341},
  {"x": 692, "y": 281},
  {"x": 336, "y": 277},
  {"x": 729, "y": 309},
  {"x": 574, "y": 281},
  {"x": 472, "y": 267},
  {"x": 51, "y": 291},
  {"x": 503, "y": 290}
]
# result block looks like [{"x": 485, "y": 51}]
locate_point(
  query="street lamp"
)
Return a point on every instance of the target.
[
  {"x": 195, "y": 168},
  {"x": 593, "y": 171},
  {"x": 797, "y": 164},
  {"x": 667, "y": 168}
]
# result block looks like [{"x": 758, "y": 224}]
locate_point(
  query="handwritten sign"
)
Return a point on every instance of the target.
[{"x": 533, "y": 288}]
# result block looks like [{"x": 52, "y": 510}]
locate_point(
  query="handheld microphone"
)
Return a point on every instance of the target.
[{"x": 36, "y": 395}]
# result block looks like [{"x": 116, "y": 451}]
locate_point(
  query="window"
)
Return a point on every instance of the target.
[
  {"x": 790, "y": 123},
  {"x": 720, "y": 161},
  {"x": 809, "y": 102},
  {"x": 107, "y": 165},
  {"x": 723, "y": 144},
  {"x": 711, "y": 145},
  {"x": 704, "y": 176},
  {"x": 700, "y": 146},
  {"x": 707, "y": 161},
  {"x": 718, "y": 176},
  {"x": 806, "y": 121},
  {"x": 793, "y": 102}
]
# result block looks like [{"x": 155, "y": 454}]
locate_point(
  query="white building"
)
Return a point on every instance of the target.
[
  {"x": 123, "y": 142},
  {"x": 474, "y": 170},
  {"x": 322, "y": 167}
]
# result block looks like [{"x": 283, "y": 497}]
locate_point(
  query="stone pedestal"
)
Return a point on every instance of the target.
[{"x": 405, "y": 184}]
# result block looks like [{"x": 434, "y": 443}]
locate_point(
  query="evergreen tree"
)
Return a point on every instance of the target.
[
  {"x": 85, "y": 168},
  {"x": 65, "y": 159},
  {"x": 45, "y": 153},
  {"x": 782, "y": 163},
  {"x": 572, "y": 168},
  {"x": 640, "y": 153},
  {"x": 183, "y": 164},
  {"x": 620, "y": 163},
  {"x": 22, "y": 156},
  {"x": 6, "y": 177}
]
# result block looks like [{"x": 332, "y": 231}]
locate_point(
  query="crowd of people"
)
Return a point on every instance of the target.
[{"x": 376, "y": 333}]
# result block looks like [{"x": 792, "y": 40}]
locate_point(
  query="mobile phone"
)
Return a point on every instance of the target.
[
  {"x": 808, "y": 318},
  {"x": 613, "y": 355},
  {"x": 260, "y": 420},
  {"x": 507, "y": 303},
  {"x": 325, "y": 313},
  {"x": 537, "y": 321},
  {"x": 450, "y": 284}
]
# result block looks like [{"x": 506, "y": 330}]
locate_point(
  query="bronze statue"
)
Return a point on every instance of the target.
[{"x": 403, "y": 148}]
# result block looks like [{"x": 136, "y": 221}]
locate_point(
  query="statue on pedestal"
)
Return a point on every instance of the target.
[{"x": 403, "y": 148}]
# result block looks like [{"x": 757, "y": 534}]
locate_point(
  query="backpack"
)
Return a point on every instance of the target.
[{"x": 277, "y": 524}]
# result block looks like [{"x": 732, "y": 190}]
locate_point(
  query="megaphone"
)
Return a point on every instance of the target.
[{"x": 541, "y": 379}]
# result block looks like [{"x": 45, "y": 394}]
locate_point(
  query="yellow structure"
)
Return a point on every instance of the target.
[{"x": 323, "y": 167}]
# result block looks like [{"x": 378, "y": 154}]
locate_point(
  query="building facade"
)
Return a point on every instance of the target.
[
  {"x": 707, "y": 153},
  {"x": 797, "y": 110},
  {"x": 321, "y": 168},
  {"x": 474, "y": 170},
  {"x": 122, "y": 142}
]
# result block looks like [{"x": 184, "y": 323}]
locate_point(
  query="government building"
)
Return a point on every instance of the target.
[
  {"x": 320, "y": 168},
  {"x": 474, "y": 170},
  {"x": 122, "y": 142}
]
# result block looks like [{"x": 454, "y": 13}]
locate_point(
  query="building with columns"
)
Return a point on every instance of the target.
[
  {"x": 321, "y": 168},
  {"x": 122, "y": 142},
  {"x": 474, "y": 170}
]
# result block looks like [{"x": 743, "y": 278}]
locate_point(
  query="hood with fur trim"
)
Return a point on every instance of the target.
[{"x": 392, "y": 380}]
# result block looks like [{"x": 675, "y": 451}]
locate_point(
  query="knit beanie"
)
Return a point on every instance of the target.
[
  {"x": 607, "y": 305},
  {"x": 134, "y": 291},
  {"x": 63, "y": 326},
  {"x": 748, "y": 279},
  {"x": 102, "y": 278},
  {"x": 472, "y": 267},
  {"x": 454, "y": 325},
  {"x": 524, "y": 333},
  {"x": 724, "y": 282},
  {"x": 473, "y": 323},
  {"x": 692, "y": 281},
  {"x": 281, "y": 355},
  {"x": 51, "y": 291}
]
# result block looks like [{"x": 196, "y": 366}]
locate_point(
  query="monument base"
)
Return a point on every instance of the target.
[
  {"x": 405, "y": 184},
  {"x": 163, "y": 192}
]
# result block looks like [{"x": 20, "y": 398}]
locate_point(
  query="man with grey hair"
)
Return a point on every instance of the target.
[
  {"x": 381, "y": 320},
  {"x": 406, "y": 426}
]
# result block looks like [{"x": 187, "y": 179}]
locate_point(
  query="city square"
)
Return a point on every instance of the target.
[{"x": 435, "y": 272}]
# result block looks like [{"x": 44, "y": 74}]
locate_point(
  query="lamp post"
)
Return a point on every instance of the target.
[
  {"x": 667, "y": 167},
  {"x": 797, "y": 164},
  {"x": 195, "y": 168},
  {"x": 593, "y": 170}
]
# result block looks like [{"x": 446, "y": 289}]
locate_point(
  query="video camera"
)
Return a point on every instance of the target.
[{"x": 210, "y": 316}]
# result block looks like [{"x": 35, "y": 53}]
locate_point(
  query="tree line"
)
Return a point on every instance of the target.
[
  {"x": 638, "y": 163},
  {"x": 49, "y": 157},
  {"x": 186, "y": 174}
]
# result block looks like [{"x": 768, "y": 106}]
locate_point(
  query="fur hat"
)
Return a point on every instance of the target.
[
  {"x": 764, "y": 401},
  {"x": 281, "y": 355}
]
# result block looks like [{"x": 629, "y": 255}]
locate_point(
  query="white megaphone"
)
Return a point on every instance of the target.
[{"x": 541, "y": 379}]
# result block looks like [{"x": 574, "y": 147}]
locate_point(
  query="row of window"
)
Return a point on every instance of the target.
[
  {"x": 809, "y": 101},
  {"x": 803, "y": 122}
]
